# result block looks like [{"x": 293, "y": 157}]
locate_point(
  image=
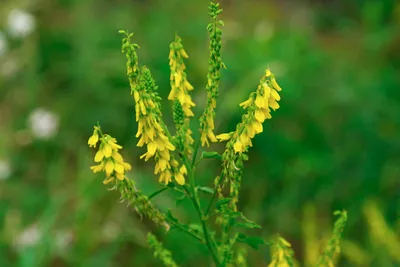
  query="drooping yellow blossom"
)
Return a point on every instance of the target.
[
  {"x": 108, "y": 158},
  {"x": 213, "y": 76},
  {"x": 257, "y": 111},
  {"x": 258, "y": 107},
  {"x": 282, "y": 254},
  {"x": 152, "y": 131},
  {"x": 180, "y": 88},
  {"x": 92, "y": 142}
]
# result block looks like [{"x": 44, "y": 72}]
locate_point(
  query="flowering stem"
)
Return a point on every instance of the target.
[{"x": 195, "y": 200}]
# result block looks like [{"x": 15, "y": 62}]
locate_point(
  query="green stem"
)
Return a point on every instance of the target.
[
  {"x": 213, "y": 197},
  {"x": 158, "y": 192},
  {"x": 185, "y": 230},
  {"x": 196, "y": 148},
  {"x": 195, "y": 200},
  {"x": 211, "y": 202}
]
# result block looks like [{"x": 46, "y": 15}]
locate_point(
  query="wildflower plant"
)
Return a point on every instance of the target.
[{"x": 176, "y": 155}]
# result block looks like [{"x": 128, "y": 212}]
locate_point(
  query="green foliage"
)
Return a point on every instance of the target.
[{"x": 333, "y": 143}]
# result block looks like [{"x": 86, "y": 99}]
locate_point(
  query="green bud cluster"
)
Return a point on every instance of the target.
[
  {"x": 140, "y": 202},
  {"x": 160, "y": 252}
]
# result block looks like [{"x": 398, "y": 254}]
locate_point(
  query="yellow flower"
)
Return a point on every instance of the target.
[
  {"x": 179, "y": 83},
  {"x": 97, "y": 168},
  {"x": 275, "y": 85},
  {"x": 258, "y": 110},
  {"x": 94, "y": 138},
  {"x": 151, "y": 129},
  {"x": 224, "y": 136},
  {"x": 238, "y": 146},
  {"x": 111, "y": 161},
  {"x": 179, "y": 178},
  {"x": 246, "y": 103},
  {"x": 183, "y": 170}
]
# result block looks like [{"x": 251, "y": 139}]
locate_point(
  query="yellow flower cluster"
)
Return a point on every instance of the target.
[
  {"x": 152, "y": 133},
  {"x": 258, "y": 110},
  {"x": 282, "y": 254},
  {"x": 180, "y": 86},
  {"x": 109, "y": 159}
]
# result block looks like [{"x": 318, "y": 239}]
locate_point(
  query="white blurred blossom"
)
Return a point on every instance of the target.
[
  {"x": 5, "y": 169},
  {"x": 20, "y": 23},
  {"x": 29, "y": 237},
  {"x": 63, "y": 239},
  {"x": 43, "y": 123},
  {"x": 3, "y": 44},
  {"x": 263, "y": 31},
  {"x": 110, "y": 231},
  {"x": 8, "y": 68}
]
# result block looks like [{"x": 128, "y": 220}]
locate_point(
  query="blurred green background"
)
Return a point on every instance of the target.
[{"x": 333, "y": 144}]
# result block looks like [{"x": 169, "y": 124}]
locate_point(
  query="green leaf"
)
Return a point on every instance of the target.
[
  {"x": 252, "y": 241},
  {"x": 205, "y": 189},
  {"x": 210, "y": 155},
  {"x": 247, "y": 223},
  {"x": 180, "y": 199}
]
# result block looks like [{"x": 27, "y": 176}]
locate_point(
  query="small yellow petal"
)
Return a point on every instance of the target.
[
  {"x": 117, "y": 156},
  {"x": 259, "y": 101},
  {"x": 246, "y": 103},
  {"x": 238, "y": 146},
  {"x": 273, "y": 104},
  {"x": 165, "y": 177},
  {"x": 275, "y": 95},
  {"x": 151, "y": 148},
  {"x": 275, "y": 85},
  {"x": 183, "y": 53},
  {"x": 179, "y": 178},
  {"x": 174, "y": 163},
  {"x": 93, "y": 140},
  {"x": 107, "y": 150},
  {"x": 99, "y": 156},
  {"x": 183, "y": 170},
  {"x": 97, "y": 168},
  {"x": 109, "y": 167},
  {"x": 114, "y": 145},
  {"x": 258, "y": 126},
  {"x": 142, "y": 107},
  {"x": 108, "y": 180},
  {"x": 120, "y": 176},
  {"x": 212, "y": 137},
  {"x": 259, "y": 115},
  {"x": 119, "y": 168},
  {"x": 127, "y": 166},
  {"x": 136, "y": 96},
  {"x": 224, "y": 136}
]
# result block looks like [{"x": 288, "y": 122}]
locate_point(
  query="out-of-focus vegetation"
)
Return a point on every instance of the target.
[{"x": 334, "y": 144}]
